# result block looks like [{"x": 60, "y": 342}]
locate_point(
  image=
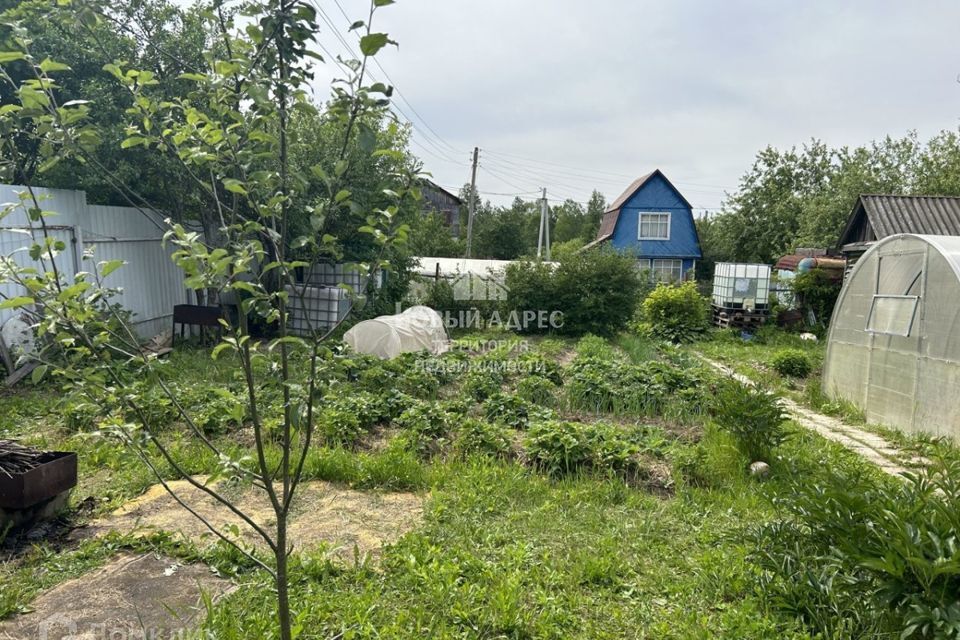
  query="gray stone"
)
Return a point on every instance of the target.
[{"x": 759, "y": 469}]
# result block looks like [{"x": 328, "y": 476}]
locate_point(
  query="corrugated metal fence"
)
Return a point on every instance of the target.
[{"x": 150, "y": 283}]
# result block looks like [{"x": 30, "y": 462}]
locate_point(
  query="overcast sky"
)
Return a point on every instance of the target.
[{"x": 612, "y": 89}]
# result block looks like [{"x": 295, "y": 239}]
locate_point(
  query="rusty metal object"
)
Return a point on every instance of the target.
[{"x": 54, "y": 473}]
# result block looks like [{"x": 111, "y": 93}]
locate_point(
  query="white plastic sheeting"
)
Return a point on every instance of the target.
[
  {"x": 418, "y": 328},
  {"x": 894, "y": 345}
]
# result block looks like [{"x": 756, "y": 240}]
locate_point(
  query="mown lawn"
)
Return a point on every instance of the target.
[{"x": 647, "y": 534}]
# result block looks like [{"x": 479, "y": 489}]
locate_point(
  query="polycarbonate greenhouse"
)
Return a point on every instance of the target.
[{"x": 894, "y": 345}]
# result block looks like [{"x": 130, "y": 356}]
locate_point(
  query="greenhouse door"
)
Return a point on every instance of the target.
[{"x": 894, "y": 320}]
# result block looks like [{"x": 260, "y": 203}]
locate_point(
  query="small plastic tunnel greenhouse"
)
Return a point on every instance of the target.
[
  {"x": 894, "y": 345},
  {"x": 418, "y": 328}
]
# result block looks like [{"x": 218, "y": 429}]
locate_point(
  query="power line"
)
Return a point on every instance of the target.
[
  {"x": 426, "y": 136},
  {"x": 502, "y": 178},
  {"x": 543, "y": 177},
  {"x": 523, "y": 166},
  {"x": 528, "y": 161},
  {"x": 399, "y": 93}
]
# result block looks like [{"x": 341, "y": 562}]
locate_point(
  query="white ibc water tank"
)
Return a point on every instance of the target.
[{"x": 741, "y": 286}]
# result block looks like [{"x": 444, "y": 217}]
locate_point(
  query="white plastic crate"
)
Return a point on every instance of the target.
[{"x": 741, "y": 286}]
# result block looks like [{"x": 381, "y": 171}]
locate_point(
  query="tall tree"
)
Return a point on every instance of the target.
[
  {"x": 230, "y": 128},
  {"x": 804, "y": 197},
  {"x": 596, "y": 205}
]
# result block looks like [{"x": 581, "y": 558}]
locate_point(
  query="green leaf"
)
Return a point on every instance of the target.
[
  {"x": 16, "y": 303},
  {"x": 73, "y": 291},
  {"x": 109, "y": 266},
  {"x": 133, "y": 141},
  {"x": 198, "y": 77},
  {"x": 38, "y": 374},
  {"x": 367, "y": 138},
  {"x": 382, "y": 3},
  {"x": 50, "y": 66},
  {"x": 10, "y": 56},
  {"x": 300, "y": 241},
  {"x": 220, "y": 347},
  {"x": 234, "y": 186},
  {"x": 371, "y": 43}
]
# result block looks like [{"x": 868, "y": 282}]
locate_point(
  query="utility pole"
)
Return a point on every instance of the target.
[
  {"x": 543, "y": 238},
  {"x": 472, "y": 205},
  {"x": 543, "y": 201},
  {"x": 546, "y": 221}
]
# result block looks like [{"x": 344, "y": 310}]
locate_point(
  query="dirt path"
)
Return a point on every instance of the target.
[
  {"x": 874, "y": 448},
  {"x": 324, "y": 514}
]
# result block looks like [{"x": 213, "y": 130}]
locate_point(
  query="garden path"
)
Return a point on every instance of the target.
[{"x": 870, "y": 446}]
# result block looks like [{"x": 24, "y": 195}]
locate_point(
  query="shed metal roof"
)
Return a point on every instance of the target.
[
  {"x": 893, "y": 214},
  {"x": 433, "y": 185}
]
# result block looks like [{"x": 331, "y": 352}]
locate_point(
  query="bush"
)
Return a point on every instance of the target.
[
  {"x": 591, "y": 346},
  {"x": 538, "y": 390},
  {"x": 675, "y": 312},
  {"x": 507, "y": 409},
  {"x": 214, "y": 410},
  {"x": 817, "y": 292},
  {"x": 339, "y": 427},
  {"x": 426, "y": 425},
  {"x": 606, "y": 386},
  {"x": 369, "y": 408},
  {"x": 564, "y": 447},
  {"x": 792, "y": 362},
  {"x": 482, "y": 382},
  {"x": 424, "y": 418},
  {"x": 595, "y": 290},
  {"x": 477, "y": 437},
  {"x": 535, "y": 364},
  {"x": 878, "y": 555},
  {"x": 395, "y": 403},
  {"x": 752, "y": 416},
  {"x": 80, "y": 415},
  {"x": 440, "y": 296}
]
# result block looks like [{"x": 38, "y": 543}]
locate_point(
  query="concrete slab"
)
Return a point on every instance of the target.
[{"x": 143, "y": 596}]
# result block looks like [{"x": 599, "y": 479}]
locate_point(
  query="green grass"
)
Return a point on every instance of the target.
[{"x": 505, "y": 550}]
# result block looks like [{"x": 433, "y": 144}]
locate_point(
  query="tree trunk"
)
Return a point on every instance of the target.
[{"x": 283, "y": 596}]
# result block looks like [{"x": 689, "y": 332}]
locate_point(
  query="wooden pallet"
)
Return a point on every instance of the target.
[{"x": 739, "y": 318}]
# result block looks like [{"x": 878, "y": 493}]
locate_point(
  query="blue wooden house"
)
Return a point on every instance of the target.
[{"x": 653, "y": 221}]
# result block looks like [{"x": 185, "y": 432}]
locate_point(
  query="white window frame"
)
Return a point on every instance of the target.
[
  {"x": 675, "y": 269},
  {"x": 912, "y": 301},
  {"x": 659, "y": 214}
]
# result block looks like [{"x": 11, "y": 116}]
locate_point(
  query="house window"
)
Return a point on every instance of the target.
[
  {"x": 654, "y": 226},
  {"x": 667, "y": 270}
]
